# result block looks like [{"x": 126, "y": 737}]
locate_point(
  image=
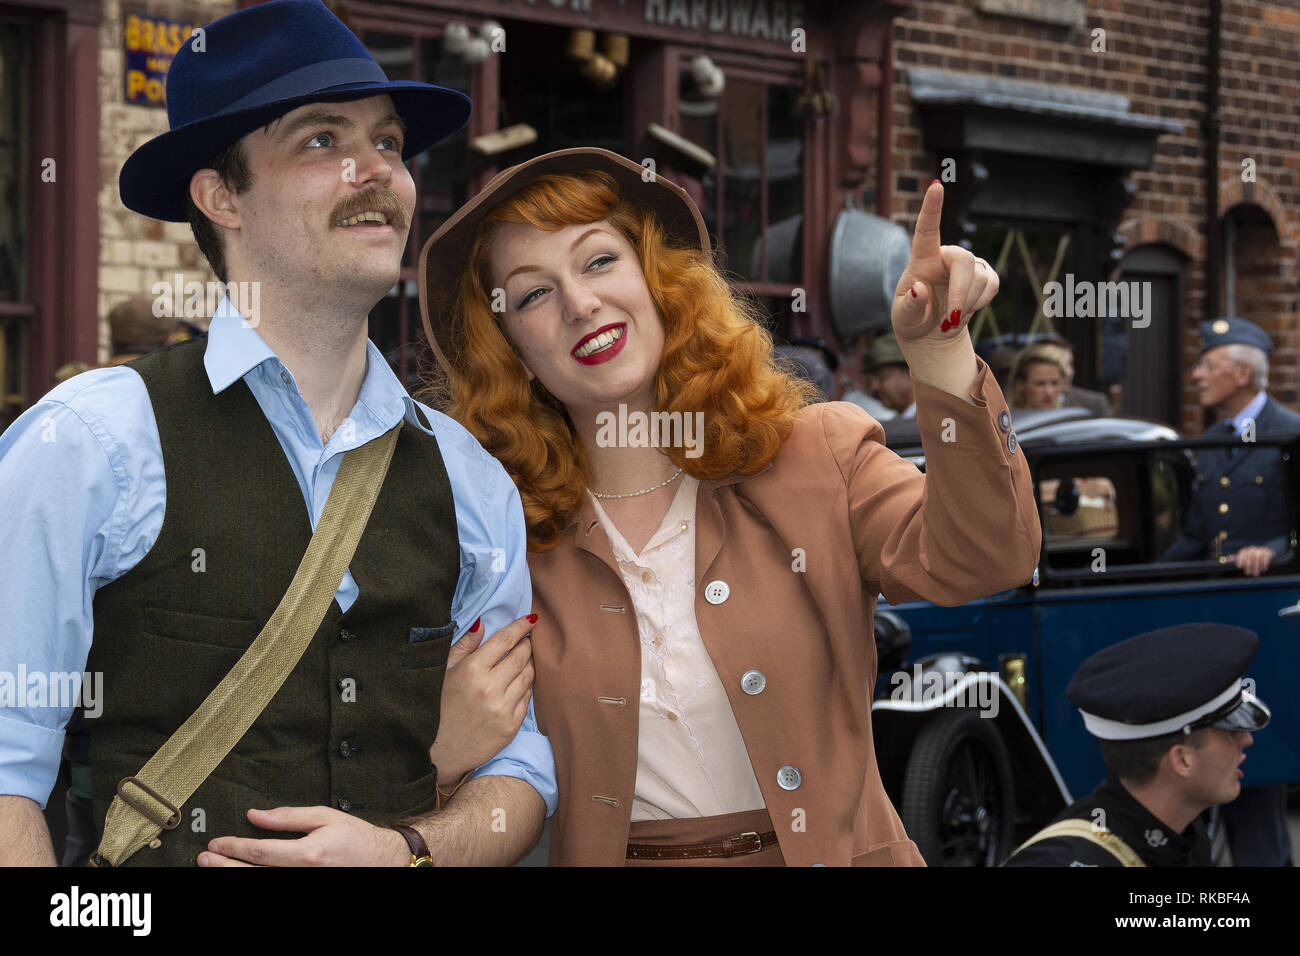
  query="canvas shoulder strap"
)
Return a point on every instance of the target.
[
  {"x": 150, "y": 802},
  {"x": 1084, "y": 830}
]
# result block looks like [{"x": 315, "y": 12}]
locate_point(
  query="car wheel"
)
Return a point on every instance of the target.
[{"x": 958, "y": 796}]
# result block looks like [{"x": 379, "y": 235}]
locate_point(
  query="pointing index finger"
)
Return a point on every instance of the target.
[{"x": 925, "y": 240}]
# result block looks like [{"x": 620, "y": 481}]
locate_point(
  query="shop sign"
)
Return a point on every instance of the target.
[
  {"x": 150, "y": 43},
  {"x": 753, "y": 19}
]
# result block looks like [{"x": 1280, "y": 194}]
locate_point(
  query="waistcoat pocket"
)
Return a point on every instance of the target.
[{"x": 233, "y": 632}]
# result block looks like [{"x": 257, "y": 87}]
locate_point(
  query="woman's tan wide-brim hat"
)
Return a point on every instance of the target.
[{"x": 443, "y": 257}]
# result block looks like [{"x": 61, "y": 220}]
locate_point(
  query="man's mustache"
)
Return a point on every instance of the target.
[{"x": 379, "y": 200}]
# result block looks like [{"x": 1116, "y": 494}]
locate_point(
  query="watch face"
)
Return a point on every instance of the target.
[{"x": 421, "y": 861}]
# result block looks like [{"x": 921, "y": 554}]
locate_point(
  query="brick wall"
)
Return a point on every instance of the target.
[
  {"x": 1155, "y": 55},
  {"x": 134, "y": 251}
]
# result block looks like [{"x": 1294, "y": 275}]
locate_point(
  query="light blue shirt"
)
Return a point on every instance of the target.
[
  {"x": 1251, "y": 412},
  {"x": 83, "y": 494}
]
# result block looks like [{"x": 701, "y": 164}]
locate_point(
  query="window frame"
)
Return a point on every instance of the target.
[
  {"x": 774, "y": 72},
  {"x": 1142, "y": 456}
]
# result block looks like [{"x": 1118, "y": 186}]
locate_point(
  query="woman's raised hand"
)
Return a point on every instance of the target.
[{"x": 942, "y": 286}]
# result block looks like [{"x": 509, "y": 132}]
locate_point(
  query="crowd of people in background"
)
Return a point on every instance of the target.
[{"x": 1040, "y": 374}]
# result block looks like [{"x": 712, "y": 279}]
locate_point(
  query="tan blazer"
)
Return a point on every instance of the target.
[{"x": 788, "y": 565}]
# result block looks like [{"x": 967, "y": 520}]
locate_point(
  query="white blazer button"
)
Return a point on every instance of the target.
[
  {"x": 752, "y": 682},
  {"x": 715, "y": 592},
  {"x": 789, "y": 778}
]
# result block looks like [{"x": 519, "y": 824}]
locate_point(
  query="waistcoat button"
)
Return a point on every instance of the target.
[
  {"x": 345, "y": 749},
  {"x": 345, "y": 804},
  {"x": 789, "y": 778}
]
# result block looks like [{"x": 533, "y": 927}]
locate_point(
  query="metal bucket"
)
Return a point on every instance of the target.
[{"x": 867, "y": 258}]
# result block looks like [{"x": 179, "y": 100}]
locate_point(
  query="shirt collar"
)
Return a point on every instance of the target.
[
  {"x": 235, "y": 349},
  {"x": 1250, "y": 411},
  {"x": 677, "y": 520}
]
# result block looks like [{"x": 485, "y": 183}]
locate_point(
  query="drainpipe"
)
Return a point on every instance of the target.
[
  {"x": 1212, "y": 125},
  {"x": 885, "y": 127}
]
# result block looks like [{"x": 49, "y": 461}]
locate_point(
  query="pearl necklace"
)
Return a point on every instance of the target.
[{"x": 643, "y": 491}]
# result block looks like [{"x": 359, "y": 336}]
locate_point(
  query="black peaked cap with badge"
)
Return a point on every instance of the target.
[{"x": 1173, "y": 679}]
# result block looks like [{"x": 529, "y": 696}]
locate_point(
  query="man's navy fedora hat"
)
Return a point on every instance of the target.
[{"x": 258, "y": 64}]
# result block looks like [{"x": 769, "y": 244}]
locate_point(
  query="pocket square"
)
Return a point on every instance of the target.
[{"x": 420, "y": 634}]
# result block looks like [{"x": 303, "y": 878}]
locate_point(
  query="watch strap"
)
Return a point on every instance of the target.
[{"x": 420, "y": 855}]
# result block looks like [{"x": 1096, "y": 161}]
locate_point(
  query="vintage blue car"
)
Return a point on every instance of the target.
[{"x": 977, "y": 743}]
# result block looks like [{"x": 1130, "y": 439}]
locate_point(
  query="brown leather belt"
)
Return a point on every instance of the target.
[{"x": 745, "y": 843}]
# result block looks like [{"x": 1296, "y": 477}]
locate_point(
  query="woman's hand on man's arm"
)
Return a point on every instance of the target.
[{"x": 484, "y": 698}]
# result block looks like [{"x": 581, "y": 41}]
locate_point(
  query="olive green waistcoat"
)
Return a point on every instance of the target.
[{"x": 352, "y": 725}]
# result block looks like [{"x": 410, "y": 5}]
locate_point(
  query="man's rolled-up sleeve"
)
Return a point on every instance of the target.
[
  {"x": 494, "y": 585},
  {"x": 966, "y": 528},
  {"x": 67, "y": 482}
]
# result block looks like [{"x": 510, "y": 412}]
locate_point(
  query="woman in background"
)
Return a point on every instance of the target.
[{"x": 1037, "y": 378}]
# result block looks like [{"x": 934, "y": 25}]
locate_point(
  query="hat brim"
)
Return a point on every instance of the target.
[
  {"x": 155, "y": 179},
  {"x": 1250, "y": 714},
  {"x": 444, "y": 255}
]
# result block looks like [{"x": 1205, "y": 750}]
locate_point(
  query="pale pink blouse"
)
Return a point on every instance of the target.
[{"x": 691, "y": 758}]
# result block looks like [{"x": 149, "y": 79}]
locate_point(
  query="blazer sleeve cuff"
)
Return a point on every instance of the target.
[{"x": 949, "y": 424}]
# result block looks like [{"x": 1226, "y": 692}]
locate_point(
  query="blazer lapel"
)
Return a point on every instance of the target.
[
  {"x": 592, "y": 539},
  {"x": 710, "y": 525}
]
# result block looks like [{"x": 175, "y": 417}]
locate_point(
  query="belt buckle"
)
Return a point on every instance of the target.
[
  {"x": 758, "y": 843},
  {"x": 169, "y": 823}
]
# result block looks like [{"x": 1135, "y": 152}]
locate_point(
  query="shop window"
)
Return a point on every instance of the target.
[
  {"x": 754, "y": 198},
  {"x": 543, "y": 87}
]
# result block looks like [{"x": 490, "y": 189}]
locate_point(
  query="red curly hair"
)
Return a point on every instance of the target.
[{"x": 717, "y": 359}]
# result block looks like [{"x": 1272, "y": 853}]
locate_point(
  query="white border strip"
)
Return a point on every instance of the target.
[
  {"x": 1107, "y": 729},
  {"x": 1006, "y": 693}
]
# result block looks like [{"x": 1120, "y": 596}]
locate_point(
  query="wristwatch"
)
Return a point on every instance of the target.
[{"x": 420, "y": 855}]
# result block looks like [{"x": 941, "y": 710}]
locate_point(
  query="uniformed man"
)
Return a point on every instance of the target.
[
  {"x": 1174, "y": 718},
  {"x": 1237, "y": 513}
]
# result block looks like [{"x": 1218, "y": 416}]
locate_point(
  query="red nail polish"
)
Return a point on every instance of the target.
[
  {"x": 532, "y": 619},
  {"x": 913, "y": 291},
  {"x": 933, "y": 181},
  {"x": 945, "y": 326},
  {"x": 477, "y": 622},
  {"x": 955, "y": 317}
]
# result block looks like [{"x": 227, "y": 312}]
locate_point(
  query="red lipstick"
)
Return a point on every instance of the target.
[{"x": 596, "y": 358}]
